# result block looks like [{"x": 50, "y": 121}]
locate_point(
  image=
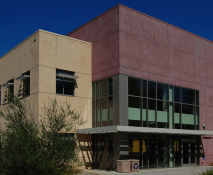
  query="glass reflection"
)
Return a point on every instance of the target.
[
  {"x": 104, "y": 88},
  {"x": 134, "y": 111},
  {"x": 188, "y": 96},
  {"x": 134, "y": 86},
  {"x": 151, "y": 113},
  {"x": 104, "y": 116},
  {"x": 162, "y": 114},
  {"x": 162, "y": 91},
  {"x": 151, "y": 89}
]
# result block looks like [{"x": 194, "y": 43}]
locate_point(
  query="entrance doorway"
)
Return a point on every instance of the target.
[{"x": 189, "y": 152}]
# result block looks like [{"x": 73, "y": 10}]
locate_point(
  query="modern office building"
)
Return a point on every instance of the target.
[{"x": 144, "y": 86}]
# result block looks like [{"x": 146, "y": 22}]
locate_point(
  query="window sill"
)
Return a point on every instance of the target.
[{"x": 65, "y": 95}]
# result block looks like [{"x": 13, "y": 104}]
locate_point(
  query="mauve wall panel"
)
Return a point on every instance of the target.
[
  {"x": 181, "y": 40},
  {"x": 128, "y": 42},
  {"x": 209, "y": 50},
  {"x": 130, "y": 52},
  {"x": 155, "y": 58},
  {"x": 108, "y": 22},
  {"x": 103, "y": 33},
  {"x": 181, "y": 65},
  {"x": 109, "y": 52},
  {"x": 154, "y": 30},
  {"x": 89, "y": 32},
  {"x": 200, "y": 70},
  {"x": 129, "y": 21}
]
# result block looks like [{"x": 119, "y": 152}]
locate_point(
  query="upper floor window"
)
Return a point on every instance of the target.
[
  {"x": 9, "y": 85},
  {"x": 154, "y": 104},
  {"x": 0, "y": 95},
  {"x": 65, "y": 82},
  {"x": 25, "y": 81}
]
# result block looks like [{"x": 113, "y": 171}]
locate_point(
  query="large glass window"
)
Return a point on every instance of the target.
[
  {"x": 102, "y": 93},
  {"x": 153, "y": 104}
]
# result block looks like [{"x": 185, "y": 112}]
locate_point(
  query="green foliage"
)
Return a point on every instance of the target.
[
  {"x": 204, "y": 172},
  {"x": 47, "y": 147}
]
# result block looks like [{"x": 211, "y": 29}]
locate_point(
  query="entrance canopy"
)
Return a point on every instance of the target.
[{"x": 131, "y": 129}]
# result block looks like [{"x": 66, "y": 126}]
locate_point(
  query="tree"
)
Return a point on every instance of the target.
[{"x": 46, "y": 147}]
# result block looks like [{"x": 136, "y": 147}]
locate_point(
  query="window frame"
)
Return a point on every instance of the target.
[{"x": 66, "y": 76}]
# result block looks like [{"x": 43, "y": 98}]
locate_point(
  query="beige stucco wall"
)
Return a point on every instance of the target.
[{"x": 43, "y": 53}]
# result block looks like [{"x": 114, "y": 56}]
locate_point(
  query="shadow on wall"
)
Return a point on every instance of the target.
[{"x": 85, "y": 142}]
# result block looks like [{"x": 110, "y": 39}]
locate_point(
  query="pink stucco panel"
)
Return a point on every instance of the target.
[
  {"x": 209, "y": 50},
  {"x": 181, "y": 65},
  {"x": 200, "y": 47},
  {"x": 209, "y": 119},
  {"x": 109, "y": 22},
  {"x": 209, "y": 159},
  {"x": 95, "y": 77},
  {"x": 182, "y": 83},
  {"x": 95, "y": 58},
  {"x": 109, "y": 72},
  {"x": 200, "y": 70},
  {"x": 89, "y": 32},
  {"x": 209, "y": 73},
  {"x": 155, "y": 58},
  {"x": 154, "y": 30},
  {"x": 154, "y": 77},
  {"x": 209, "y": 150},
  {"x": 181, "y": 40},
  {"x": 209, "y": 96},
  {"x": 130, "y": 52},
  {"x": 109, "y": 52},
  {"x": 130, "y": 71},
  {"x": 129, "y": 21}
]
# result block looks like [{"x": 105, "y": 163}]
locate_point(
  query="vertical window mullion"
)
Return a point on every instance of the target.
[
  {"x": 156, "y": 123},
  {"x": 180, "y": 108}
]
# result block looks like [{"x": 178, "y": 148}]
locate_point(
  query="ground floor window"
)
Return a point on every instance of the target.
[{"x": 152, "y": 151}]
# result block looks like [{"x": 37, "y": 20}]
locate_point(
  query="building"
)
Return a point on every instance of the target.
[
  {"x": 49, "y": 66},
  {"x": 150, "y": 91}
]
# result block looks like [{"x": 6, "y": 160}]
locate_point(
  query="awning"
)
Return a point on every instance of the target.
[
  {"x": 140, "y": 130},
  {"x": 67, "y": 76},
  {"x": 6, "y": 85},
  {"x": 22, "y": 77}
]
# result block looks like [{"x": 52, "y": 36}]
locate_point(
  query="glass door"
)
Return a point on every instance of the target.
[
  {"x": 189, "y": 152},
  {"x": 185, "y": 153}
]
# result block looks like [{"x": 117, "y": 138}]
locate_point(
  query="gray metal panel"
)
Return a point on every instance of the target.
[
  {"x": 7, "y": 85},
  {"x": 116, "y": 113},
  {"x": 132, "y": 129},
  {"x": 22, "y": 77},
  {"x": 123, "y": 99},
  {"x": 67, "y": 76}
]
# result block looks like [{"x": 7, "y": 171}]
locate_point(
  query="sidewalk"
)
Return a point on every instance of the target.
[{"x": 164, "y": 171}]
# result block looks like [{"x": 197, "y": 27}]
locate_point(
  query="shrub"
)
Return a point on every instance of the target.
[{"x": 45, "y": 147}]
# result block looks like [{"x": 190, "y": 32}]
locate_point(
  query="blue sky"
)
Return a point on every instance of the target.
[{"x": 21, "y": 18}]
